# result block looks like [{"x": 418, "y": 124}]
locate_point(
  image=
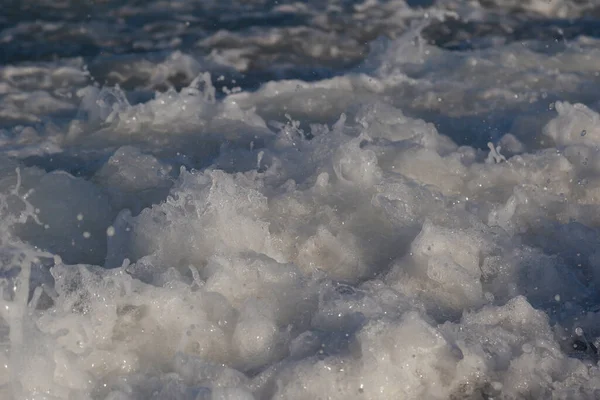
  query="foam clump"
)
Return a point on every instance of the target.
[
  {"x": 133, "y": 179},
  {"x": 575, "y": 124},
  {"x": 447, "y": 263},
  {"x": 452, "y": 360}
]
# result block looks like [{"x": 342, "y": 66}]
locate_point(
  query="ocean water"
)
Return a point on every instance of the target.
[{"x": 260, "y": 199}]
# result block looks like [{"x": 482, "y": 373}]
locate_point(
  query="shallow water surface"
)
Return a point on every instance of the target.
[{"x": 261, "y": 199}]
